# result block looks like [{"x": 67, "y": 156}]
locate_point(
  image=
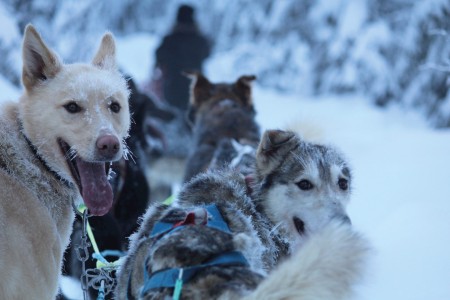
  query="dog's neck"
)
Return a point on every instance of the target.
[
  {"x": 20, "y": 162},
  {"x": 42, "y": 160},
  {"x": 67, "y": 211}
]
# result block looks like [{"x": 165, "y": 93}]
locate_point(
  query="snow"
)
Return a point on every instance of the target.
[
  {"x": 400, "y": 200},
  {"x": 9, "y": 30},
  {"x": 140, "y": 67},
  {"x": 71, "y": 288},
  {"x": 7, "y": 90},
  {"x": 401, "y": 170},
  {"x": 353, "y": 17}
]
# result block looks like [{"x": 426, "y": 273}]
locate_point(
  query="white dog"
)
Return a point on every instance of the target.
[{"x": 54, "y": 145}]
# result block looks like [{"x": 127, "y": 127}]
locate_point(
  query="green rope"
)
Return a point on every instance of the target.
[
  {"x": 178, "y": 286},
  {"x": 169, "y": 200},
  {"x": 101, "y": 261}
]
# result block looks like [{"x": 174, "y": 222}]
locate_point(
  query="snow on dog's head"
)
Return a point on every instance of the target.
[{"x": 75, "y": 115}]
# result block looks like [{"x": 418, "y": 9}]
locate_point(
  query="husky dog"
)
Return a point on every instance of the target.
[
  {"x": 197, "y": 243},
  {"x": 55, "y": 146},
  {"x": 131, "y": 196},
  {"x": 175, "y": 240},
  {"x": 300, "y": 186},
  {"x": 224, "y": 127}
]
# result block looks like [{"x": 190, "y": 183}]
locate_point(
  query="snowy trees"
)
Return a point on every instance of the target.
[
  {"x": 390, "y": 50},
  {"x": 424, "y": 66}
]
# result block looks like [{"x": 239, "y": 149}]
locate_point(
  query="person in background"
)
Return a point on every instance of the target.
[{"x": 183, "y": 49}]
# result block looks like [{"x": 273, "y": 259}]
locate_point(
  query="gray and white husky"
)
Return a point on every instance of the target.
[
  {"x": 300, "y": 186},
  {"x": 326, "y": 255}
]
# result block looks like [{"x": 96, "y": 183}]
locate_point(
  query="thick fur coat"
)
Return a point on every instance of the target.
[
  {"x": 54, "y": 144},
  {"x": 300, "y": 186},
  {"x": 326, "y": 256},
  {"x": 224, "y": 128},
  {"x": 198, "y": 243}
]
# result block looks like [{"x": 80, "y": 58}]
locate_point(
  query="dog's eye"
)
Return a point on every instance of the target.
[
  {"x": 114, "y": 107},
  {"x": 343, "y": 184},
  {"x": 305, "y": 185},
  {"x": 72, "y": 107}
]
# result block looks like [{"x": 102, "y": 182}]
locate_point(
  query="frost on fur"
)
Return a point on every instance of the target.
[
  {"x": 106, "y": 54},
  {"x": 300, "y": 186},
  {"x": 40, "y": 63},
  {"x": 328, "y": 266},
  {"x": 55, "y": 142}
]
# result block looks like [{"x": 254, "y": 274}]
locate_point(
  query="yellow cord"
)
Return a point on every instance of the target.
[
  {"x": 99, "y": 263},
  {"x": 169, "y": 200}
]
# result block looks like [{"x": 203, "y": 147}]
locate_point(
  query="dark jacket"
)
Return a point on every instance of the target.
[{"x": 184, "y": 49}]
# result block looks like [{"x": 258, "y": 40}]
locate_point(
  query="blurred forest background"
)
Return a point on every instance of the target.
[{"x": 391, "y": 51}]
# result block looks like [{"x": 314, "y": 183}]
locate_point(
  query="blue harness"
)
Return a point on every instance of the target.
[
  {"x": 216, "y": 221},
  {"x": 169, "y": 278}
]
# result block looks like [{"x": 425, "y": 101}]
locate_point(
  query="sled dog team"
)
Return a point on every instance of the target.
[{"x": 259, "y": 217}]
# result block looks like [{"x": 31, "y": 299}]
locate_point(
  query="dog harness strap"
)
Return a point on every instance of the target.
[
  {"x": 161, "y": 228},
  {"x": 215, "y": 220},
  {"x": 168, "y": 278}
]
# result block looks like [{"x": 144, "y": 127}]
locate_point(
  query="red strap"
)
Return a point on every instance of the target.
[{"x": 191, "y": 219}]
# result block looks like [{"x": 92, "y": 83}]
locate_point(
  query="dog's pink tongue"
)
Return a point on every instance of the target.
[{"x": 95, "y": 188}]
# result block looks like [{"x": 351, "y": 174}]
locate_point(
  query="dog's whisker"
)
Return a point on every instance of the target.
[
  {"x": 72, "y": 154},
  {"x": 127, "y": 153},
  {"x": 274, "y": 229},
  {"x": 40, "y": 144}
]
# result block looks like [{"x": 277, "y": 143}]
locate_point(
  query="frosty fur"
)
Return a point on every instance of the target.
[
  {"x": 325, "y": 264},
  {"x": 37, "y": 187},
  {"x": 226, "y": 190},
  {"x": 284, "y": 161},
  {"x": 327, "y": 267},
  {"x": 325, "y": 256}
]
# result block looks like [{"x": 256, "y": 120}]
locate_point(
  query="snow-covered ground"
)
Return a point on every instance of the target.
[
  {"x": 401, "y": 192},
  {"x": 401, "y": 168}
]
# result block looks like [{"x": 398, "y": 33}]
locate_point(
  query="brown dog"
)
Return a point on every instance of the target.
[{"x": 224, "y": 127}]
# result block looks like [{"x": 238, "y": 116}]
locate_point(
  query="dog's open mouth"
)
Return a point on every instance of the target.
[
  {"x": 299, "y": 225},
  {"x": 92, "y": 181}
]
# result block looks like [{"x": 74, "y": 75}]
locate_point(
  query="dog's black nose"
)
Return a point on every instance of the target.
[{"x": 108, "y": 146}]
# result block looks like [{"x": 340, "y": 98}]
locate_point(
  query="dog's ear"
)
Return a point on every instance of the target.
[
  {"x": 200, "y": 88},
  {"x": 106, "y": 53},
  {"x": 39, "y": 62},
  {"x": 272, "y": 149},
  {"x": 243, "y": 87}
]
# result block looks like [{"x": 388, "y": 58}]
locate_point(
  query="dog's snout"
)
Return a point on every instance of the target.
[{"x": 108, "y": 146}]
